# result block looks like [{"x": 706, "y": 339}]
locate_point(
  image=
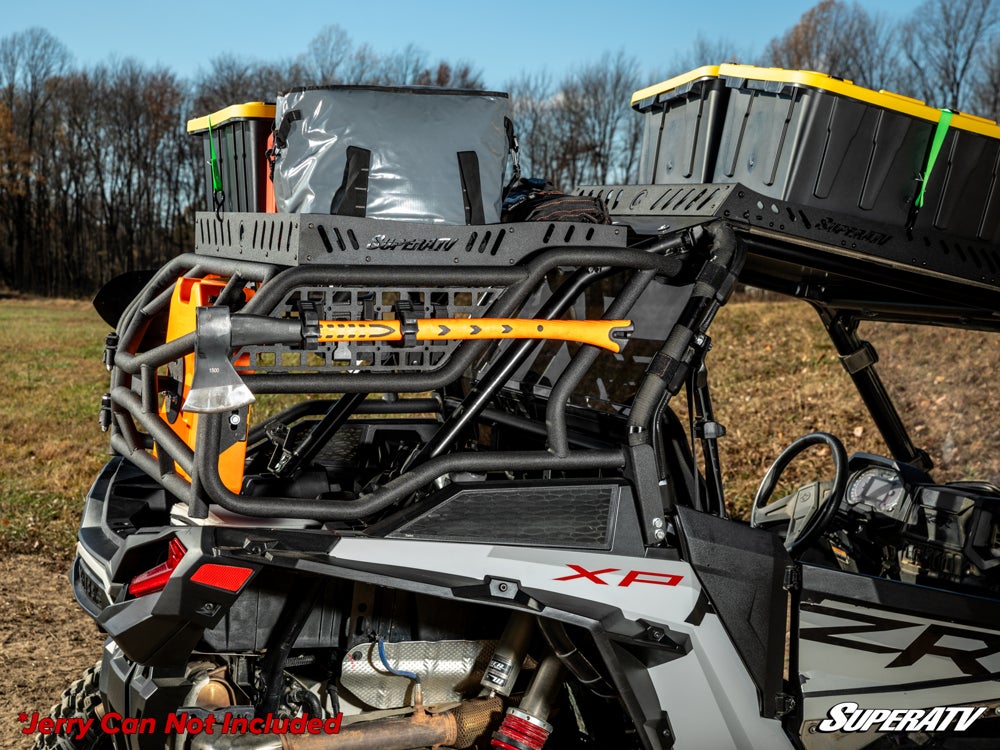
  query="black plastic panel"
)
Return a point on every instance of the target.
[
  {"x": 577, "y": 516},
  {"x": 742, "y": 569}
]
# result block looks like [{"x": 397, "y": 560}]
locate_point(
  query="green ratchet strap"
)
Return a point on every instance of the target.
[
  {"x": 213, "y": 160},
  {"x": 936, "y": 143},
  {"x": 218, "y": 195}
]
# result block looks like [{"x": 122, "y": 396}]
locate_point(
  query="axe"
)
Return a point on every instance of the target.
[{"x": 217, "y": 387}]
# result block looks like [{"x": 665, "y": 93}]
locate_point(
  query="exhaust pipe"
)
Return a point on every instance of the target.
[{"x": 459, "y": 728}]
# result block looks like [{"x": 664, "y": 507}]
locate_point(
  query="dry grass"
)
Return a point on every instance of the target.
[
  {"x": 776, "y": 376},
  {"x": 773, "y": 373},
  {"x": 50, "y": 444}
]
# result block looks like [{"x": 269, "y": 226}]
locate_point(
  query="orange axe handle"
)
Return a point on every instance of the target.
[{"x": 607, "y": 334}]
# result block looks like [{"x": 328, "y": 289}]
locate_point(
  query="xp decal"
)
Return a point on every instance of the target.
[{"x": 632, "y": 576}]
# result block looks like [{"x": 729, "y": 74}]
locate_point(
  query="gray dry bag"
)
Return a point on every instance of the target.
[{"x": 412, "y": 154}]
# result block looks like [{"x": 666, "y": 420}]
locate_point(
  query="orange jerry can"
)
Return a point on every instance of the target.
[{"x": 190, "y": 294}]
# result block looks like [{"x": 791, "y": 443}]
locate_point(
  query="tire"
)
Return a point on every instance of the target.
[{"x": 81, "y": 700}]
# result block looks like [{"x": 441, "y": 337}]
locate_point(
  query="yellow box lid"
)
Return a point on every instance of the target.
[
  {"x": 247, "y": 111},
  {"x": 705, "y": 71},
  {"x": 844, "y": 87},
  {"x": 823, "y": 82}
]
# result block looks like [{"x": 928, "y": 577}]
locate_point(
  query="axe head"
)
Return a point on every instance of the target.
[{"x": 215, "y": 386}]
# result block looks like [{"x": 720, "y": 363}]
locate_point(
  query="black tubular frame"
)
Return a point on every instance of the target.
[{"x": 159, "y": 452}]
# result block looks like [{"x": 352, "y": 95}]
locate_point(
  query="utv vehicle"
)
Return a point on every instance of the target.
[{"x": 466, "y": 507}]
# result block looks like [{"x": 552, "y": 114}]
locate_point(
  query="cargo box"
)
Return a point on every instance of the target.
[
  {"x": 239, "y": 143},
  {"x": 682, "y": 128},
  {"x": 821, "y": 141}
]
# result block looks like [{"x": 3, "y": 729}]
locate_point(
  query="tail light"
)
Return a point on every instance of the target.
[
  {"x": 225, "y": 577},
  {"x": 155, "y": 579}
]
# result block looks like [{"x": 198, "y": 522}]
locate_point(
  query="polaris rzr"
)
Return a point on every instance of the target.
[{"x": 431, "y": 485}]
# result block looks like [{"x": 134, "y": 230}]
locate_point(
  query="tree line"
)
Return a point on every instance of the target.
[{"x": 98, "y": 176}]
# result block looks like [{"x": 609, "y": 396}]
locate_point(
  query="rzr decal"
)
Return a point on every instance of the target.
[{"x": 927, "y": 643}]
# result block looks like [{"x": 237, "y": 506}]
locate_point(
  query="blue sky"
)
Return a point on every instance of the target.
[{"x": 502, "y": 39}]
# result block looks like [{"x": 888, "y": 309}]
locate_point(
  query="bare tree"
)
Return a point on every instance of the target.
[
  {"x": 233, "y": 80},
  {"x": 461, "y": 75},
  {"x": 706, "y": 50},
  {"x": 840, "y": 39},
  {"x": 945, "y": 42},
  {"x": 984, "y": 95},
  {"x": 31, "y": 64},
  {"x": 327, "y": 59},
  {"x": 533, "y": 104},
  {"x": 596, "y": 109}
]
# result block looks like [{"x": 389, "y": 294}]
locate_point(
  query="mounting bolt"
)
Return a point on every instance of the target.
[
  {"x": 659, "y": 535},
  {"x": 655, "y": 634},
  {"x": 657, "y": 523},
  {"x": 502, "y": 587},
  {"x": 234, "y": 420}
]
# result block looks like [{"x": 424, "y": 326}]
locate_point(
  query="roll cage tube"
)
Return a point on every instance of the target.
[
  {"x": 682, "y": 354},
  {"x": 858, "y": 359}
]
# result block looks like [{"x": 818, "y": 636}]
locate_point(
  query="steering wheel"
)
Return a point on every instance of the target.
[{"x": 803, "y": 511}]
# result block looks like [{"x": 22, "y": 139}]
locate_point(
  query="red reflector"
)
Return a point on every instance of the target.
[
  {"x": 225, "y": 577},
  {"x": 155, "y": 579}
]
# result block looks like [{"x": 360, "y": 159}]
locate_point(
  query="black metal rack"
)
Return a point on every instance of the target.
[{"x": 810, "y": 246}]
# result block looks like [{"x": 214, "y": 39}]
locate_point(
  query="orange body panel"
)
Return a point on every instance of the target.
[
  {"x": 190, "y": 294},
  {"x": 269, "y": 205}
]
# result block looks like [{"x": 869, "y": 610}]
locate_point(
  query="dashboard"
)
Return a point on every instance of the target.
[
  {"x": 877, "y": 488},
  {"x": 894, "y": 520}
]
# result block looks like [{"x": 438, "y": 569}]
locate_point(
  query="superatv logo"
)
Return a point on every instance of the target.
[
  {"x": 382, "y": 242},
  {"x": 849, "y": 717},
  {"x": 853, "y": 233}
]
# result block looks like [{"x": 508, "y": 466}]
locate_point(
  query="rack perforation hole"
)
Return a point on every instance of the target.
[
  {"x": 340, "y": 239},
  {"x": 590, "y": 234},
  {"x": 472, "y": 242},
  {"x": 281, "y": 233},
  {"x": 352, "y": 239},
  {"x": 548, "y": 233},
  {"x": 485, "y": 242},
  {"x": 499, "y": 241},
  {"x": 270, "y": 238},
  {"x": 321, "y": 230},
  {"x": 569, "y": 233}
]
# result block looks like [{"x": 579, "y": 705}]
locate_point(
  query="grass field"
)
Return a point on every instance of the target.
[
  {"x": 774, "y": 378},
  {"x": 50, "y": 444}
]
